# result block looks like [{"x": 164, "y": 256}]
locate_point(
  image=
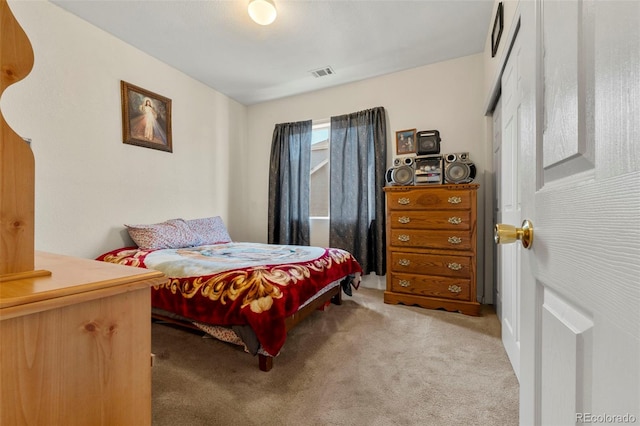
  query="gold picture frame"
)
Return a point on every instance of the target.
[
  {"x": 406, "y": 141},
  {"x": 146, "y": 118}
]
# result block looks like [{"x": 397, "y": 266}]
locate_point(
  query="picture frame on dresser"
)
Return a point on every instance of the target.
[
  {"x": 406, "y": 141},
  {"x": 146, "y": 118}
]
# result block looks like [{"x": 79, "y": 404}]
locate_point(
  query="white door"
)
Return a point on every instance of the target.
[
  {"x": 580, "y": 179},
  {"x": 509, "y": 208}
]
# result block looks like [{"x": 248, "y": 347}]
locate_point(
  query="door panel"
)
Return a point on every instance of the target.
[
  {"x": 568, "y": 334},
  {"x": 568, "y": 87},
  {"x": 617, "y": 89}
]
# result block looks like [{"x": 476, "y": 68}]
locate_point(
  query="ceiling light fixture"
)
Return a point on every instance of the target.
[{"x": 263, "y": 12}]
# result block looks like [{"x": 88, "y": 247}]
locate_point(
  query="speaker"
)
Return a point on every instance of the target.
[
  {"x": 407, "y": 161},
  {"x": 458, "y": 168},
  {"x": 402, "y": 175},
  {"x": 457, "y": 156},
  {"x": 428, "y": 142}
]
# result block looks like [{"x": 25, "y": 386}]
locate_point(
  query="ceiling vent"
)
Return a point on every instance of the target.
[{"x": 322, "y": 72}]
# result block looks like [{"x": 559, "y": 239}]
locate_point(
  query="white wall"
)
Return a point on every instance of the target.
[
  {"x": 447, "y": 96},
  {"x": 88, "y": 183}
]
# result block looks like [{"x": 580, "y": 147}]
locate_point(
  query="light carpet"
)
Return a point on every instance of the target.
[{"x": 361, "y": 363}]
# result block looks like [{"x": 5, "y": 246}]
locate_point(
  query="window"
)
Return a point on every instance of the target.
[{"x": 319, "y": 179}]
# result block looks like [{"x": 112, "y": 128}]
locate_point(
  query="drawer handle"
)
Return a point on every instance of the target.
[
  {"x": 454, "y": 200},
  {"x": 454, "y": 240},
  {"x": 404, "y": 219},
  {"x": 455, "y": 220},
  {"x": 404, "y": 262},
  {"x": 404, "y": 283},
  {"x": 454, "y": 266},
  {"x": 404, "y": 201},
  {"x": 455, "y": 288},
  {"x": 404, "y": 238}
]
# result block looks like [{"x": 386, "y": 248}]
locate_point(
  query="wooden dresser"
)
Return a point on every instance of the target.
[
  {"x": 431, "y": 247},
  {"x": 75, "y": 346}
]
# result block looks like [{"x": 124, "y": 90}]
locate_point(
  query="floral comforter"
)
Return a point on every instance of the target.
[{"x": 240, "y": 283}]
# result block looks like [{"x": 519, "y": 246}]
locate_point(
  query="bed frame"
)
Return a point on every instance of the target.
[{"x": 265, "y": 363}]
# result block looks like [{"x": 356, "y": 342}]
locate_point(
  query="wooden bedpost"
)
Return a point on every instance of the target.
[{"x": 17, "y": 164}]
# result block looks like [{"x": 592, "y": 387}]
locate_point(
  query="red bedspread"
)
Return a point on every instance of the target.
[{"x": 240, "y": 283}]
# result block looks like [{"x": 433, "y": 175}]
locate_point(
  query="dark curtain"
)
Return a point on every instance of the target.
[
  {"x": 289, "y": 184},
  {"x": 358, "y": 155}
]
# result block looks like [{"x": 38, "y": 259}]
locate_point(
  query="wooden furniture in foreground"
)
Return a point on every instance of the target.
[
  {"x": 431, "y": 247},
  {"x": 17, "y": 164},
  {"x": 75, "y": 347},
  {"x": 75, "y": 337}
]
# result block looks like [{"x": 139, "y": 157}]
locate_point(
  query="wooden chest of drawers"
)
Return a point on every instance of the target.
[
  {"x": 75, "y": 345},
  {"x": 431, "y": 247}
]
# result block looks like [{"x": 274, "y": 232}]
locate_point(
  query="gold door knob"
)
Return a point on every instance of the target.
[{"x": 507, "y": 234}]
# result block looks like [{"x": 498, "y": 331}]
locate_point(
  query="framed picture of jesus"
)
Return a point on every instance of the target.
[{"x": 146, "y": 118}]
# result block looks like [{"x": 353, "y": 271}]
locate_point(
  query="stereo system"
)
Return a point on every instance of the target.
[
  {"x": 428, "y": 169},
  {"x": 428, "y": 166}
]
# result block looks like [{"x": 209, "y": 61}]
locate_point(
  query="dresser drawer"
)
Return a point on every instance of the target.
[
  {"x": 431, "y": 264},
  {"x": 438, "y": 199},
  {"x": 438, "y": 219},
  {"x": 452, "y": 240},
  {"x": 427, "y": 285}
]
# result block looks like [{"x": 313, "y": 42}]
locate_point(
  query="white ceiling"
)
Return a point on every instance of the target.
[{"x": 216, "y": 42}]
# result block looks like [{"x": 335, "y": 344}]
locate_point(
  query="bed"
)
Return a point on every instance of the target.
[{"x": 250, "y": 294}]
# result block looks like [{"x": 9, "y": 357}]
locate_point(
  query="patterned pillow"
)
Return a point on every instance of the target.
[
  {"x": 211, "y": 230},
  {"x": 174, "y": 233}
]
